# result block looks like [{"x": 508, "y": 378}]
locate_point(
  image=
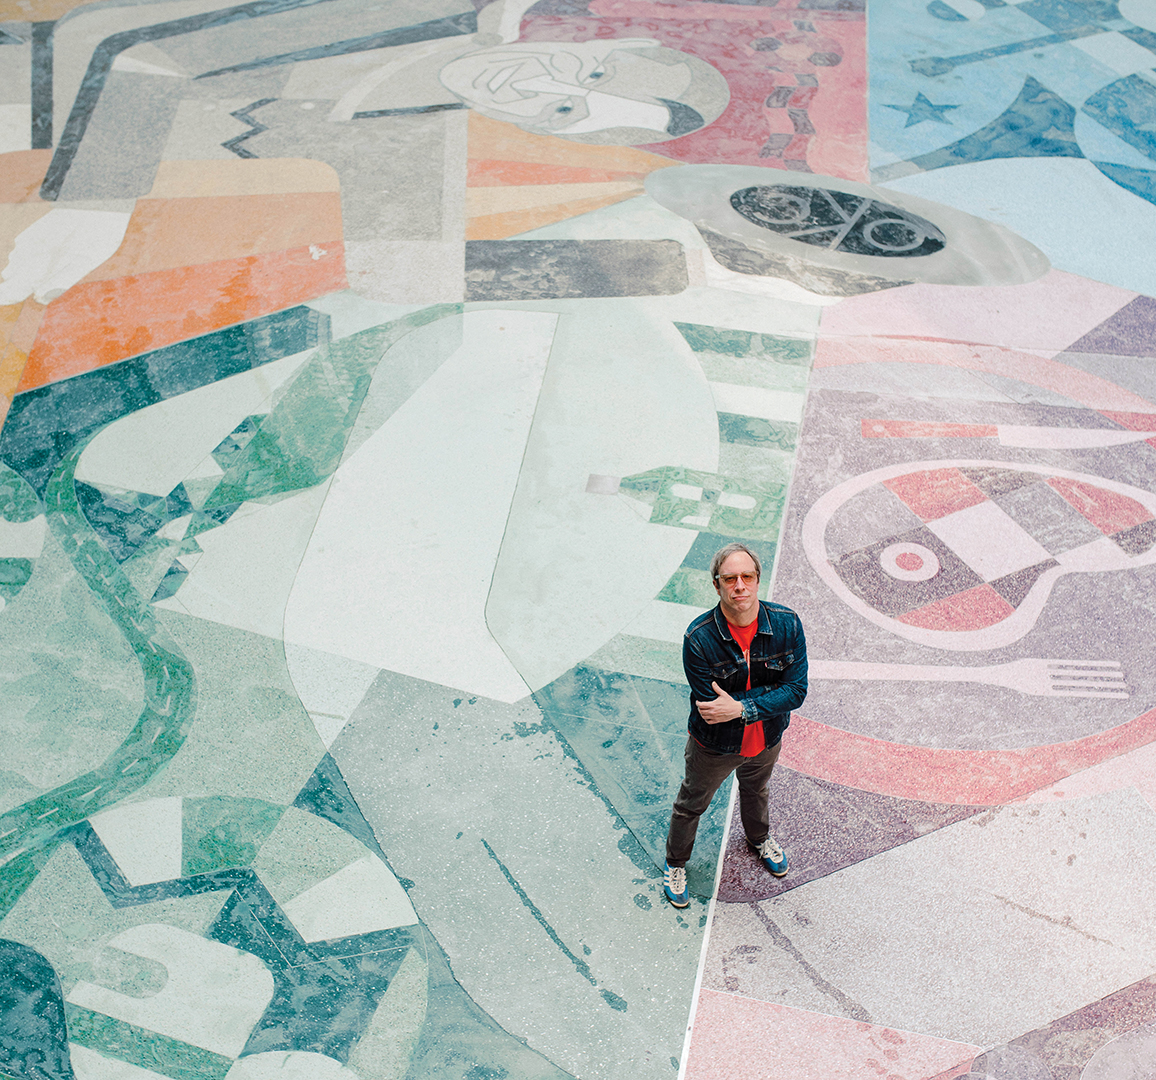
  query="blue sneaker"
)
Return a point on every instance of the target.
[
  {"x": 674, "y": 885},
  {"x": 771, "y": 855}
]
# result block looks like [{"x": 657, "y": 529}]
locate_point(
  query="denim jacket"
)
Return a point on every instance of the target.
[{"x": 778, "y": 674}]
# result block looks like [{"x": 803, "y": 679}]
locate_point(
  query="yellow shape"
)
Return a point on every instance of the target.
[
  {"x": 257, "y": 176},
  {"x": 502, "y": 200},
  {"x": 12, "y": 361},
  {"x": 513, "y": 223},
  {"x": 493, "y": 140},
  {"x": 36, "y": 10}
]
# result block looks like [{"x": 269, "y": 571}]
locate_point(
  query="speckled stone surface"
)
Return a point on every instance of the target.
[{"x": 376, "y": 385}]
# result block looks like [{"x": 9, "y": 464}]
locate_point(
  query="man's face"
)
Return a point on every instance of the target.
[
  {"x": 738, "y": 588},
  {"x": 569, "y": 88}
]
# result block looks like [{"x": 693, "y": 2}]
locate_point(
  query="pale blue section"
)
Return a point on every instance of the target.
[{"x": 1064, "y": 206}]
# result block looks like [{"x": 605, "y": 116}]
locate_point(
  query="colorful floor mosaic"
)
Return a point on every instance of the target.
[{"x": 378, "y": 378}]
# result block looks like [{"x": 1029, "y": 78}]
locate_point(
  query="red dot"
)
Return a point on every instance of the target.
[{"x": 909, "y": 561}]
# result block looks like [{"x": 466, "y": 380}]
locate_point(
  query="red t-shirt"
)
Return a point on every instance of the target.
[{"x": 754, "y": 738}]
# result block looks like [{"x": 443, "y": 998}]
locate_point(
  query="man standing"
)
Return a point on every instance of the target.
[{"x": 746, "y": 662}]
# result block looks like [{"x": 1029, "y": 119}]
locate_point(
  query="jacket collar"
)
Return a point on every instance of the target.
[{"x": 720, "y": 621}]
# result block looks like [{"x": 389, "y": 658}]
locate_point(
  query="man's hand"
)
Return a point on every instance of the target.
[{"x": 721, "y": 709}]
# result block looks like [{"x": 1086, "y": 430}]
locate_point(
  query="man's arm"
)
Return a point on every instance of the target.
[
  {"x": 705, "y": 693},
  {"x": 762, "y": 701}
]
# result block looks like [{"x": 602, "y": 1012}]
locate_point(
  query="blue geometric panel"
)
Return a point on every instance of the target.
[
  {"x": 1140, "y": 182},
  {"x": 1039, "y": 123},
  {"x": 33, "y": 1039},
  {"x": 1127, "y": 108}
]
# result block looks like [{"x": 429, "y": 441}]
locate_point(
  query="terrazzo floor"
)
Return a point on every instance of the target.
[{"x": 378, "y": 378}]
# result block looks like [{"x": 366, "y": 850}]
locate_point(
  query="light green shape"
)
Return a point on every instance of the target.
[
  {"x": 730, "y": 342},
  {"x": 387, "y": 1044},
  {"x": 151, "y": 561},
  {"x": 252, "y": 733},
  {"x": 128, "y": 974},
  {"x": 301, "y": 441},
  {"x": 64, "y": 914},
  {"x": 753, "y": 371},
  {"x": 640, "y": 656},
  {"x": 659, "y": 488},
  {"x": 406, "y": 365},
  {"x": 760, "y": 465},
  {"x": 687, "y": 586},
  {"x": 18, "y": 502},
  {"x": 71, "y": 688},
  {"x": 138, "y": 1046},
  {"x": 222, "y": 832},
  {"x": 302, "y": 850}
]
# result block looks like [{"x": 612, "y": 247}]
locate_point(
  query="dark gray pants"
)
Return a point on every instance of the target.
[{"x": 705, "y": 772}]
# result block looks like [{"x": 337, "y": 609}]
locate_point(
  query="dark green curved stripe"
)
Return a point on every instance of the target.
[{"x": 169, "y": 687}]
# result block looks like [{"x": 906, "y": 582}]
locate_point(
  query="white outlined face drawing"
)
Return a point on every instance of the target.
[{"x": 986, "y": 543}]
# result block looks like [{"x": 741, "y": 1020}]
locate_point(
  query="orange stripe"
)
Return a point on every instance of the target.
[{"x": 100, "y": 322}]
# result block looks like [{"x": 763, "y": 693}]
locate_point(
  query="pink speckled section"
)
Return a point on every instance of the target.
[
  {"x": 1135, "y": 769},
  {"x": 833, "y": 96},
  {"x": 971, "y": 777},
  {"x": 737, "y": 1038},
  {"x": 1039, "y": 370},
  {"x": 1047, "y": 314}
]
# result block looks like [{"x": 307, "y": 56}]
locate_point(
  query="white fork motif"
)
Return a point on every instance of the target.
[{"x": 1031, "y": 675}]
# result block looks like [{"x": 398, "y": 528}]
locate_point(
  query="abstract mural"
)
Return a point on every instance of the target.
[{"x": 377, "y": 380}]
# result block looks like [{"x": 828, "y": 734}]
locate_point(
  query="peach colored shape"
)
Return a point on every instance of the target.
[
  {"x": 494, "y": 140},
  {"x": 12, "y": 357},
  {"x": 505, "y": 173},
  {"x": 27, "y": 324},
  {"x": 165, "y": 234},
  {"x": 1047, "y": 314},
  {"x": 255, "y": 176},
  {"x": 486, "y": 201},
  {"x": 739, "y": 1038},
  {"x": 1080, "y": 386},
  {"x": 36, "y": 11},
  {"x": 100, "y": 322},
  {"x": 513, "y": 222},
  {"x": 22, "y": 171},
  {"x": 967, "y": 777},
  {"x": 1135, "y": 769}
]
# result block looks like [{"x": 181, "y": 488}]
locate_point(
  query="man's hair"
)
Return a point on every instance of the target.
[{"x": 725, "y": 553}]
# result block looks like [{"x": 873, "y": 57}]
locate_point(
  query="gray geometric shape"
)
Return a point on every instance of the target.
[
  {"x": 1014, "y": 587},
  {"x": 123, "y": 142},
  {"x": 994, "y": 481},
  {"x": 1048, "y": 518},
  {"x": 555, "y": 269},
  {"x": 872, "y": 515},
  {"x": 1136, "y": 539},
  {"x": 975, "y": 252},
  {"x": 863, "y": 573},
  {"x": 741, "y": 259}
]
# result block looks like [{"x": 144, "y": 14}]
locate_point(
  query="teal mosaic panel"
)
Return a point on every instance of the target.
[
  {"x": 169, "y": 684},
  {"x": 758, "y": 513},
  {"x": 737, "y": 343},
  {"x": 301, "y": 441},
  {"x": 148, "y": 1049}
]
